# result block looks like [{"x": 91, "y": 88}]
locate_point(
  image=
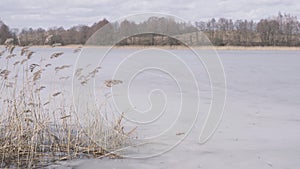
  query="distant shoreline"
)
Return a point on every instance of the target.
[{"x": 279, "y": 48}]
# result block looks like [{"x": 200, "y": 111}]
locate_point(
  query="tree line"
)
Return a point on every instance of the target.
[{"x": 280, "y": 30}]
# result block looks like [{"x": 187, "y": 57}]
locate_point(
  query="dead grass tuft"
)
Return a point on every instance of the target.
[{"x": 36, "y": 130}]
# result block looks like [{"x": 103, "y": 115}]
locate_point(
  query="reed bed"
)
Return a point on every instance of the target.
[{"x": 38, "y": 123}]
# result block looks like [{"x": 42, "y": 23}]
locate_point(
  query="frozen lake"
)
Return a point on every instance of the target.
[
  {"x": 259, "y": 128},
  {"x": 260, "y": 125}
]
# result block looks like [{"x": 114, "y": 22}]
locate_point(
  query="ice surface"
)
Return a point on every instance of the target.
[{"x": 260, "y": 126}]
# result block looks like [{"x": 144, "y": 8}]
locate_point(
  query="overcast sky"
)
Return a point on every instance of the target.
[{"x": 67, "y": 13}]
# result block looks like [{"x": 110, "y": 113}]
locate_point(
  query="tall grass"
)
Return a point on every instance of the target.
[{"x": 38, "y": 123}]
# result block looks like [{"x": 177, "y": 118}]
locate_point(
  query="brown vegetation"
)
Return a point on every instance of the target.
[
  {"x": 281, "y": 30},
  {"x": 38, "y": 128}
]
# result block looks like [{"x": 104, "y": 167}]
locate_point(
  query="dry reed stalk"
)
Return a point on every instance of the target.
[
  {"x": 36, "y": 131},
  {"x": 56, "y": 55},
  {"x": 58, "y": 68}
]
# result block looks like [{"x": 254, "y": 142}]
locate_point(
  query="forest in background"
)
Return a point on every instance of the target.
[{"x": 280, "y": 30}]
